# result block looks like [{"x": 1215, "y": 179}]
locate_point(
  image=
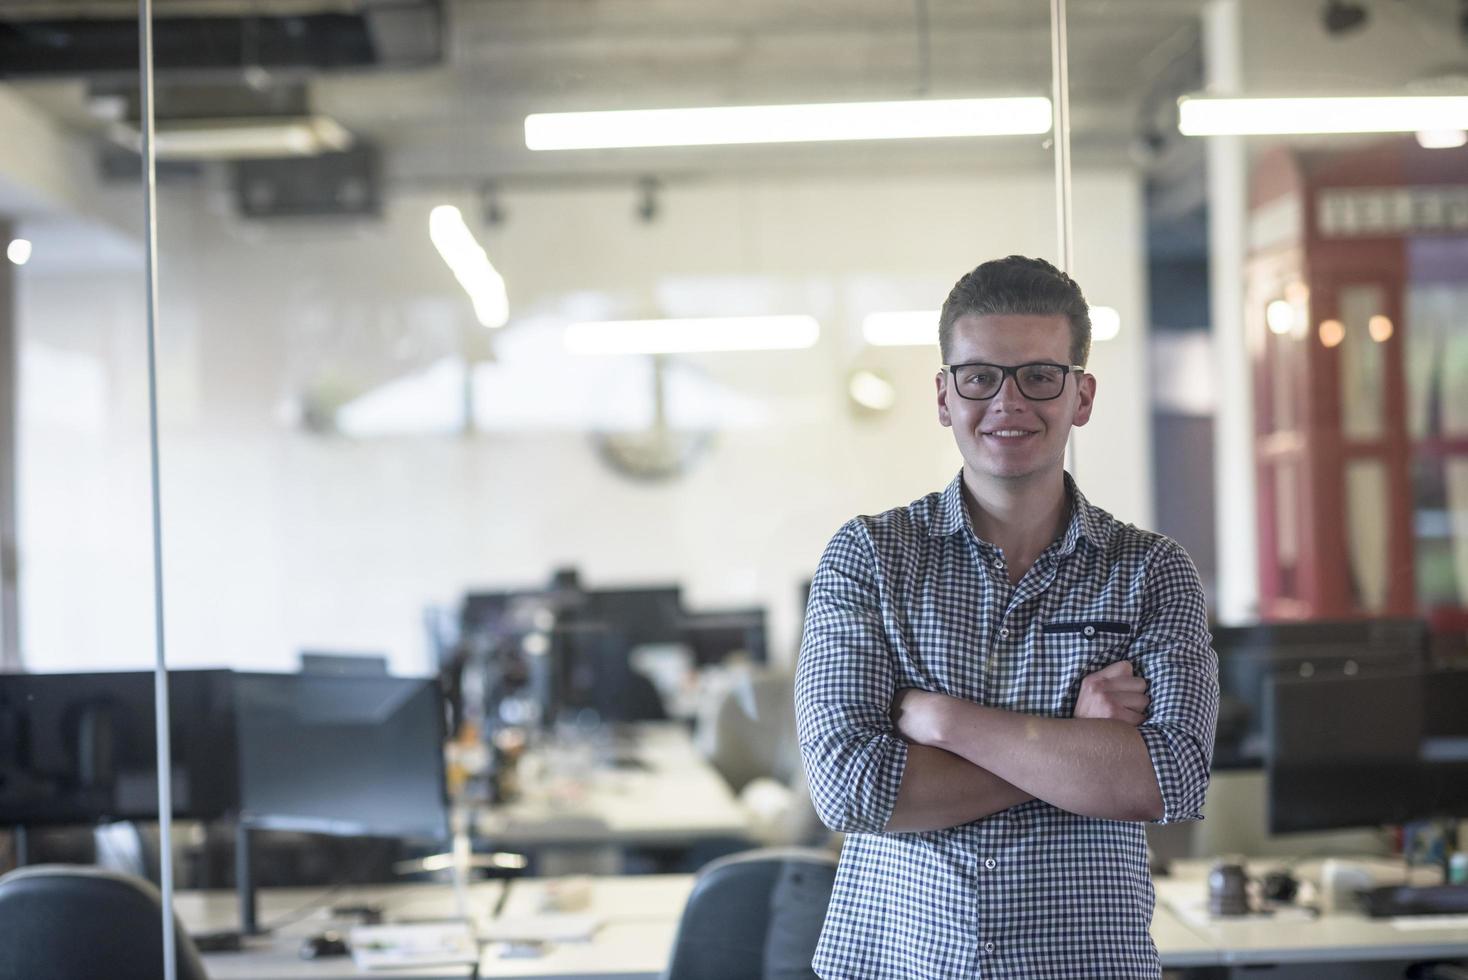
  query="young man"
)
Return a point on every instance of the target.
[{"x": 1000, "y": 683}]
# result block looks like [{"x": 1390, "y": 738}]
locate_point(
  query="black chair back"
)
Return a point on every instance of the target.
[
  {"x": 73, "y": 921},
  {"x": 756, "y": 915}
]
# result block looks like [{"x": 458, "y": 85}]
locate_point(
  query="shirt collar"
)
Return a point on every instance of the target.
[{"x": 1084, "y": 524}]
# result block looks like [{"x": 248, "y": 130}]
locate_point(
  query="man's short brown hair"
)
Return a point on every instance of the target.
[{"x": 1018, "y": 284}]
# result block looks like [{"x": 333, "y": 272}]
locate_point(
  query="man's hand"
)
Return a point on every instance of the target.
[
  {"x": 918, "y": 714},
  {"x": 1113, "y": 692}
]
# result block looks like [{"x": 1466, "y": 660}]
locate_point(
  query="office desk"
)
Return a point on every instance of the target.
[
  {"x": 1336, "y": 937},
  {"x": 672, "y": 797},
  {"x": 639, "y": 916}
]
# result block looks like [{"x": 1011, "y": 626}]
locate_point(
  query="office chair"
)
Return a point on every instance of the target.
[
  {"x": 752, "y": 737},
  {"x": 757, "y": 914},
  {"x": 72, "y": 921}
]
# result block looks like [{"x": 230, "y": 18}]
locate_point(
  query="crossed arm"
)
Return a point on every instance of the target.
[
  {"x": 884, "y": 759},
  {"x": 967, "y": 761}
]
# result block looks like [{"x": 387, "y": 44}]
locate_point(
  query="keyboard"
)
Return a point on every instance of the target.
[{"x": 1395, "y": 900}]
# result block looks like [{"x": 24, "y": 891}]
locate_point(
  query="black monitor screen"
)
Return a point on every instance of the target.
[
  {"x": 1367, "y": 750},
  {"x": 82, "y": 748},
  {"x": 342, "y": 754},
  {"x": 1251, "y": 656},
  {"x": 717, "y": 636},
  {"x": 642, "y": 616}
]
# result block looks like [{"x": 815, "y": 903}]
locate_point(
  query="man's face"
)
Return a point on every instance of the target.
[{"x": 1009, "y": 436}]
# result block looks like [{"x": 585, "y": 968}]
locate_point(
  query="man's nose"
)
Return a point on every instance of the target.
[{"x": 1009, "y": 395}]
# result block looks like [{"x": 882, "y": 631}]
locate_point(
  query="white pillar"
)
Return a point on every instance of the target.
[{"x": 1233, "y": 454}]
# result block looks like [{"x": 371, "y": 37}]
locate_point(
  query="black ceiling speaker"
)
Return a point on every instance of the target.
[
  {"x": 330, "y": 185},
  {"x": 1342, "y": 16}
]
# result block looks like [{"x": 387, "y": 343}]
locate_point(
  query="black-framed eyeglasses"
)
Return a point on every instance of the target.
[{"x": 1039, "y": 381}]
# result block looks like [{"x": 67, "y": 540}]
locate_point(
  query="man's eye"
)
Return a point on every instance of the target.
[
  {"x": 1040, "y": 375},
  {"x": 979, "y": 377}
]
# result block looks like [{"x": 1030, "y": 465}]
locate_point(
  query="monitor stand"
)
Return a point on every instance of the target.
[{"x": 244, "y": 881}]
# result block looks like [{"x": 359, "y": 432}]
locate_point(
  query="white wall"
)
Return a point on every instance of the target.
[{"x": 277, "y": 540}]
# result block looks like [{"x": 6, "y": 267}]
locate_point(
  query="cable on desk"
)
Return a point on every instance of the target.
[
  {"x": 299, "y": 913},
  {"x": 499, "y": 903}
]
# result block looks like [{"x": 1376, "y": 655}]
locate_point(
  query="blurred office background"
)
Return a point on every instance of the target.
[{"x": 364, "y": 465}]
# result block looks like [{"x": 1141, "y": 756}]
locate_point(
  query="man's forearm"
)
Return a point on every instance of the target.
[
  {"x": 941, "y": 790},
  {"x": 1094, "y": 767}
]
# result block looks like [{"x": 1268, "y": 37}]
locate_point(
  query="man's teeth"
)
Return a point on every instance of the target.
[{"x": 1009, "y": 432}]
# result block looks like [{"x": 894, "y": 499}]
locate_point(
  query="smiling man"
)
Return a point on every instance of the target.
[{"x": 1000, "y": 683}]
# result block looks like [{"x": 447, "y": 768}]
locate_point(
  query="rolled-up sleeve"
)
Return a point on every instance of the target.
[
  {"x": 1173, "y": 651},
  {"x": 844, "y": 684}
]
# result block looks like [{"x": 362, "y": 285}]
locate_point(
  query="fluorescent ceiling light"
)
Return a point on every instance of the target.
[
  {"x": 919, "y": 328},
  {"x": 239, "y": 139},
  {"x": 718, "y": 125},
  {"x": 470, "y": 265},
  {"x": 909, "y": 328},
  {"x": 1442, "y": 139},
  {"x": 692, "y": 336},
  {"x": 1206, "y": 116},
  {"x": 18, "y": 251}
]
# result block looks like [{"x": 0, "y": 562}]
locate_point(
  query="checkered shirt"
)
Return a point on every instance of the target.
[{"x": 913, "y": 598}]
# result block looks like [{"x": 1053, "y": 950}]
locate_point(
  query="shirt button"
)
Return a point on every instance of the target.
[
  {"x": 999, "y": 563},
  {"x": 1089, "y": 631},
  {"x": 991, "y": 864},
  {"x": 988, "y": 947},
  {"x": 1004, "y": 632}
]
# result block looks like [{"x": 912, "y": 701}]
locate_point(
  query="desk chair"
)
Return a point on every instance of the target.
[
  {"x": 754, "y": 916},
  {"x": 752, "y": 737},
  {"x": 71, "y": 921}
]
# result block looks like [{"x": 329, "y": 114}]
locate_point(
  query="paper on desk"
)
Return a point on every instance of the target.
[
  {"x": 420, "y": 944},
  {"x": 1415, "y": 923},
  {"x": 1198, "y": 914},
  {"x": 554, "y": 927}
]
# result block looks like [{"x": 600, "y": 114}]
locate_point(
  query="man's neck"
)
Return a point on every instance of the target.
[{"x": 1020, "y": 517}]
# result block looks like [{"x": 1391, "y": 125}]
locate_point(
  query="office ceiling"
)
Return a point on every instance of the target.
[{"x": 458, "y": 119}]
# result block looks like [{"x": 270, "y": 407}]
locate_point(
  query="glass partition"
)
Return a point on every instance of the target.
[{"x": 78, "y": 754}]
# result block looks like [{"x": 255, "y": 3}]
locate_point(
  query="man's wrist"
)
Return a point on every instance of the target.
[{"x": 943, "y": 719}]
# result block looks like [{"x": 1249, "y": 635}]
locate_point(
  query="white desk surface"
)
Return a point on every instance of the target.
[
  {"x": 677, "y": 798},
  {"x": 1288, "y": 938},
  {"x": 639, "y": 917}
]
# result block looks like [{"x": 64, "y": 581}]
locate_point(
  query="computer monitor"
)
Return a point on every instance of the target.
[
  {"x": 82, "y": 748},
  {"x": 358, "y": 756},
  {"x": 1250, "y": 656},
  {"x": 590, "y": 670},
  {"x": 715, "y": 636},
  {"x": 1366, "y": 750},
  {"x": 643, "y": 615},
  {"x": 342, "y": 754}
]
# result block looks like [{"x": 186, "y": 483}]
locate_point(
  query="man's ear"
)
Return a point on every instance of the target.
[
  {"x": 1086, "y": 385},
  {"x": 944, "y": 418}
]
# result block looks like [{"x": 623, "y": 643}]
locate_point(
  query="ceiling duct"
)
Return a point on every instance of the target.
[{"x": 98, "y": 39}]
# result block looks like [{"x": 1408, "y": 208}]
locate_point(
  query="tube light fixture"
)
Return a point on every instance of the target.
[
  {"x": 717, "y": 125},
  {"x": 242, "y": 138},
  {"x": 470, "y": 265},
  {"x": 919, "y": 328},
  {"x": 1209, "y": 116},
  {"x": 1442, "y": 139},
  {"x": 692, "y": 336}
]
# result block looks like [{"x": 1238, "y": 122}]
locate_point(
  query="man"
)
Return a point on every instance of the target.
[{"x": 1000, "y": 683}]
